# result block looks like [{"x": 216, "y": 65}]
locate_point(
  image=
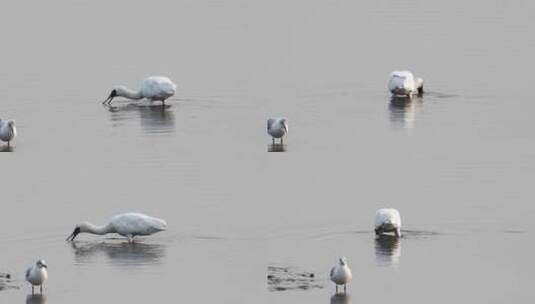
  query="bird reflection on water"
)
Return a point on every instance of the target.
[
  {"x": 387, "y": 250},
  {"x": 120, "y": 253},
  {"x": 154, "y": 118},
  {"x": 6, "y": 148},
  {"x": 36, "y": 299},
  {"x": 403, "y": 111},
  {"x": 340, "y": 298},
  {"x": 277, "y": 148}
]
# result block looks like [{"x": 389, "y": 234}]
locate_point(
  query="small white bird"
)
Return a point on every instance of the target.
[
  {"x": 403, "y": 84},
  {"x": 387, "y": 220},
  {"x": 277, "y": 127},
  {"x": 7, "y": 130},
  {"x": 125, "y": 224},
  {"x": 37, "y": 274},
  {"x": 155, "y": 88},
  {"x": 341, "y": 274}
]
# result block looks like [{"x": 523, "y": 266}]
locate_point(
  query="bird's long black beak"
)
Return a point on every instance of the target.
[
  {"x": 73, "y": 235},
  {"x": 110, "y": 98}
]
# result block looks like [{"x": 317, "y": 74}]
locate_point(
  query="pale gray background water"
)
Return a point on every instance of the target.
[{"x": 459, "y": 164}]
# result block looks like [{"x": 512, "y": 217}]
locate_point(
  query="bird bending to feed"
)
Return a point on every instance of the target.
[
  {"x": 341, "y": 274},
  {"x": 155, "y": 88},
  {"x": 387, "y": 220},
  {"x": 277, "y": 127},
  {"x": 126, "y": 224},
  {"x": 7, "y": 130},
  {"x": 37, "y": 274},
  {"x": 403, "y": 84}
]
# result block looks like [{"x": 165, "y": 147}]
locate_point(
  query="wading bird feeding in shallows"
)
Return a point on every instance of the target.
[
  {"x": 341, "y": 274},
  {"x": 277, "y": 127},
  {"x": 404, "y": 84},
  {"x": 155, "y": 88},
  {"x": 126, "y": 224},
  {"x": 387, "y": 220},
  {"x": 7, "y": 131},
  {"x": 37, "y": 274}
]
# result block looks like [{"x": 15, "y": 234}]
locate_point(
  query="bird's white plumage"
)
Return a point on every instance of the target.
[
  {"x": 137, "y": 224},
  {"x": 37, "y": 274},
  {"x": 126, "y": 224},
  {"x": 8, "y": 131},
  {"x": 341, "y": 273},
  {"x": 403, "y": 83},
  {"x": 388, "y": 220},
  {"x": 154, "y": 88},
  {"x": 277, "y": 127},
  {"x": 157, "y": 88}
]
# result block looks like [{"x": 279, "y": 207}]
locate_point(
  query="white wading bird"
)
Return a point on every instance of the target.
[
  {"x": 155, "y": 88},
  {"x": 403, "y": 84},
  {"x": 387, "y": 220},
  {"x": 277, "y": 127},
  {"x": 37, "y": 274},
  {"x": 125, "y": 224},
  {"x": 7, "y": 131},
  {"x": 341, "y": 274}
]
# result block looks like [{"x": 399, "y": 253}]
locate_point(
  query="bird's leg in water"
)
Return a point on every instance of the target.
[
  {"x": 130, "y": 238},
  {"x": 163, "y": 102},
  {"x": 344, "y": 288},
  {"x": 32, "y": 289},
  {"x": 273, "y": 140},
  {"x": 41, "y": 289},
  {"x": 282, "y": 142}
]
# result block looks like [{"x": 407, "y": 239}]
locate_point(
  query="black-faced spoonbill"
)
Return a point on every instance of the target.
[
  {"x": 403, "y": 84},
  {"x": 37, "y": 274},
  {"x": 387, "y": 220},
  {"x": 126, "y": 224},
  {"x": 155, "y": 88},
  {"x": 7, "y": 130},
  {"x": 277, "y": 127},
  {"x": 341, "y": 274}
]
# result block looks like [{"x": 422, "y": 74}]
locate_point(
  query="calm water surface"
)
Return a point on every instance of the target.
[{"x": 458, "y": 163}]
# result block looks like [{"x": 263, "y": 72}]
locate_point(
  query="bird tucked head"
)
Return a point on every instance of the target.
[
  {"x": 41, "y": 264},
  {"x": 343, "y": 261}
]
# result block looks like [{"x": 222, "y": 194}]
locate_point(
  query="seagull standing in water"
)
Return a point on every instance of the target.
[
  {"x": 277, "y": 127},
  {"x": 7, "y": 131},
  {"x": 155, "y": 88},
  {"x": 387, "y": 220},
  {"x": 403, "y": 84},
  {"x": 126, "y": 224},
  {"x": 341, "y": 274},
  {"x": 37, "y": 274}
]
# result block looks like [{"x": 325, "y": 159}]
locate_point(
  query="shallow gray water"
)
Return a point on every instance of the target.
[{"x": 458, "y": 164}]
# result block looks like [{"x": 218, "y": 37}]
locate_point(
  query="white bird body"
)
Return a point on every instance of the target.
[
  {"x": 125, "y": 224},
  {"x": 154, "y": 88},
  {"x": 277, "y": 127},
  {"x": 403, "y": 83},
  {"x": 341, "y": 274},
  {"x": 387, "y": 220},
  {"x": 7, "y": 130},
  {"x": 37, "y": 274}
]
